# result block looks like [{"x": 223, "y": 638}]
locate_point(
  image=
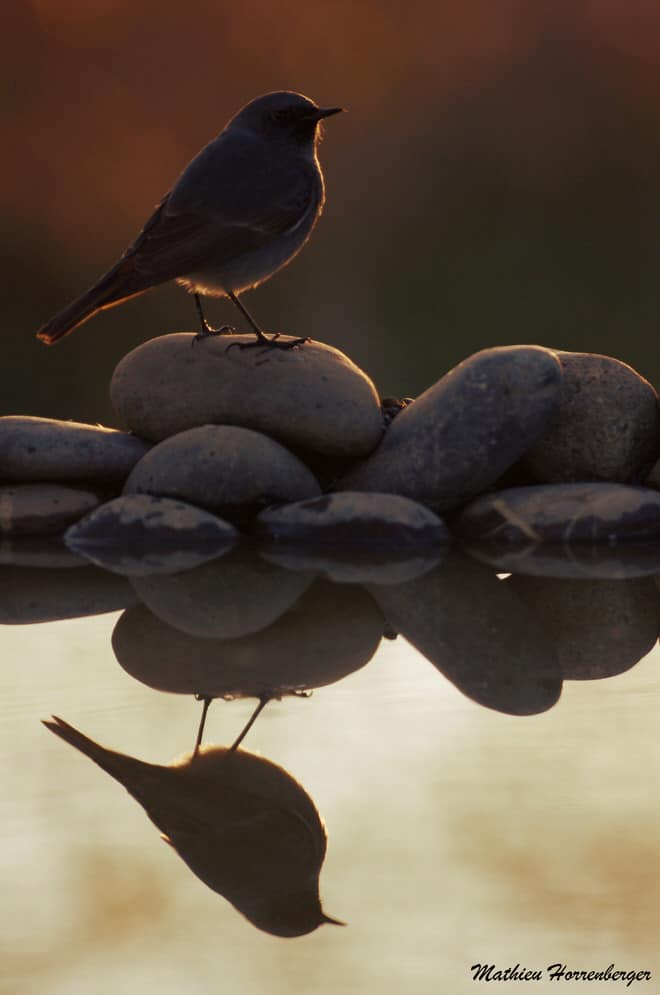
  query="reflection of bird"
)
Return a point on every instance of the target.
[
  {"x": 243, "y": 826},
  {"x": 241, "y": 210}
]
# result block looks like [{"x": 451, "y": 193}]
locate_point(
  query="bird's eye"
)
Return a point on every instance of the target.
[{"x": 280, "y": 116}]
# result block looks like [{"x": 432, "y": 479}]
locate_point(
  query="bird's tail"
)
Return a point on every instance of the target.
[
  {"x": 118, "y": 284},
  {"x": 118, "y": 765}
]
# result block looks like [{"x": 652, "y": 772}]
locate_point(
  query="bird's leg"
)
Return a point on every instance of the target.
[
  {"x": 262, "y": 339},
  {"x": 207, "y": 329},
  {"x": 202, "y": 723},
  {"x": 234, "y": 298},
  {"x": 263, "y": 701}
]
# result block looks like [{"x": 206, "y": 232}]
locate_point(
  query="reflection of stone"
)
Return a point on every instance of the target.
[
  {"x": 478, "y": 634},
  {"x": 330, "y": 632},
  {"x": 606, "y": 427},
  {"x": 43, "y": 449},
  {"x": 38, "y": 551},
  {"x": 242, "y": 825},
  {"x": 313, "y": 398},
  {"x": 138, "y": 535},
  {"x": 563, "y": 513},
  {"x": 224, "y": 599},
  {"x": 600, "y": 627},
  {"x": 43, "y": 509},
  {"x": 354, "y": 521},
  {"x": 349, "y": 567},
  {"x": 579, "y": 560},
  {"x": 31, "y": 594},
  {"x": 225, "y": 469},
  {"x": 461, "y": 434}
]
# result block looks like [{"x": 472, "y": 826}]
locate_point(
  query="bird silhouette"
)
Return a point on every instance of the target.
[
  {"x": 240, "y": 211},
  {"x": 242, "y": 825}
]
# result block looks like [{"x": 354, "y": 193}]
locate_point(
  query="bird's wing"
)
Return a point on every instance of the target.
[{"x": 230, "y": 200}]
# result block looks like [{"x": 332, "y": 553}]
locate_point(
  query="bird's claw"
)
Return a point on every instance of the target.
[
  {"x": 269, "y": 343},
  {"x": 209, "y": 332}
]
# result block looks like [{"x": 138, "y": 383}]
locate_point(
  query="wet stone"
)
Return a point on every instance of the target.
[
  {"x": 563, "y": 513},
  {"x": 138, "y": 534},
  {"x": 461, "y": 435},
  {"x": 43, "y": 509},
  {"x": 310, "y": 398},
  {"x": 232, "y": 471},
  {"x": 44, "y": 449},
  {"x": 354, "y": 520},
  {"x": 329, "y": 633},
  {"x": 599, "y": 627},
  {"x": 605, "y": 429}
]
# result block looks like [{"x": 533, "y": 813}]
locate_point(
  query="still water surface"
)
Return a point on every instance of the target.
[{"x": 457, "y": 833}]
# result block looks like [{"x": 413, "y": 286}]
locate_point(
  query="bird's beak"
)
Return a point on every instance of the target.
[
  {"x": 335, "y": 922},
  {"x": 322, "y": 112}
]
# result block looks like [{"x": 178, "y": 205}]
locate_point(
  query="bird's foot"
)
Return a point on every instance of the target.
[
  {"x": 208, "y": 331},
  {"x": 270, "y": 342}
]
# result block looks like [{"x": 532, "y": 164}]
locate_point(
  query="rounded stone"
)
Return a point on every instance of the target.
[
  {"x": 599, "y": 627},
  {"x": 222, "y": 468},
  {"x": 31, "y": 594},
  {"x": 354, "y": 520},
  {"x": 330, "y": 632},
  {"x": 606, "y": 427},
  {"x": 225, "y": 599},
  {"x": 565, "y": 513},
  {"x": 478, "y": 634},
  {"x": 43, "y": 509},
  {"x": 138, "y": 534},
  {"x": 311, "y": 397},
  {"x": 44, "y": 449},
  {"x": 463, "y": 433}
]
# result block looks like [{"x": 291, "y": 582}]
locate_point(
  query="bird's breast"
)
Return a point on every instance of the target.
[{"x": 219, "y": 275}]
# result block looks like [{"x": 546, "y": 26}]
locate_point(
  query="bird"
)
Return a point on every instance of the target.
[
  {"x": 240, "y": 211},
  {"x": 242, "y": 825}
]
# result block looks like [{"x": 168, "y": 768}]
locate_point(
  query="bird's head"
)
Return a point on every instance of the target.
[{"x": 284, "y": 115}]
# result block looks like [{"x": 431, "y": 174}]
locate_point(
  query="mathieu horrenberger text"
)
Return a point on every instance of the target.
[{"x": 555, "y": 972}]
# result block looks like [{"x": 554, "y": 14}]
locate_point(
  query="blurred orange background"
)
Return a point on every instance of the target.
[{"x": 497, "y": 179}]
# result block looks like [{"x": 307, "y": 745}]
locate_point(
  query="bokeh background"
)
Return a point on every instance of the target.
[{"x": 497, "y": 179}]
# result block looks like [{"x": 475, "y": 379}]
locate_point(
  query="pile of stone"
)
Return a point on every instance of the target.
[{"x": 516, "y": 445}]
